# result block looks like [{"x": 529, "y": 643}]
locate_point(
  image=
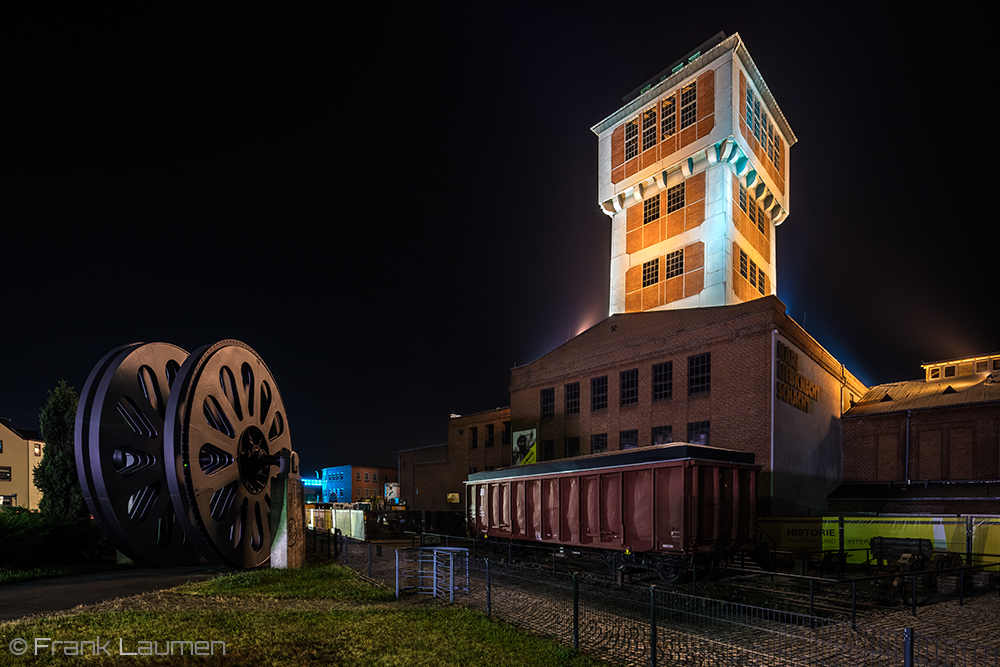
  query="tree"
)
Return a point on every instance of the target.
[{"x": 55, "y": 476}]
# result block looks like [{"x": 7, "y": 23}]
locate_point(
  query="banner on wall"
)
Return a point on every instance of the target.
[
  {"x": 810, "y": 536},
  {"x": 524, "y": 449}
]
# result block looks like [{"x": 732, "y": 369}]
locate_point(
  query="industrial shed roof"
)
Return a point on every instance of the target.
[{"x": 921, "y": 394}]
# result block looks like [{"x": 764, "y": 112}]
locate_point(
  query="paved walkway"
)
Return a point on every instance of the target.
[{"x": 62, "y": 593}]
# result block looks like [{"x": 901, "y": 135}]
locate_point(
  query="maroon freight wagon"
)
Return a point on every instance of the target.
[{"x": 647, "y": 504}]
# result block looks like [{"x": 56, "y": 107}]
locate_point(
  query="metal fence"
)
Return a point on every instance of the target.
[{"x": 648, "y": 625}]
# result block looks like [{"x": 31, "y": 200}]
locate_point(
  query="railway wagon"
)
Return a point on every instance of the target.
[{"x": 684, "y": 500}]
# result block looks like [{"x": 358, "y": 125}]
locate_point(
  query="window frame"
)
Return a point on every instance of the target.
[
  {"x": 651, "y": 272},
  {"x": 700, "y": 374},
  {"x": 599, "y": 393},
  {"x": 598, "y": 443},
  {"x": 547, "y": 403},
  {"x": 628, "y": 387},
  {"x": 571, "y": 397},
  {"x": 663, "y": 381}
]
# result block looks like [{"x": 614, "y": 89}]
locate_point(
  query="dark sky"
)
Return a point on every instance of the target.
[{"x": 393, "y": 209}]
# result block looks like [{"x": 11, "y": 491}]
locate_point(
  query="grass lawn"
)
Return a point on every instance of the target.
[{"x": 321, "y": 615}]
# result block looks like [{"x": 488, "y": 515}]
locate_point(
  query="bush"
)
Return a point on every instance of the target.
[{"x": 29, "y": 540}]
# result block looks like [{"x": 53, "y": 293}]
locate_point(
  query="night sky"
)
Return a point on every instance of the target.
[{"x": 394, "y": 209}]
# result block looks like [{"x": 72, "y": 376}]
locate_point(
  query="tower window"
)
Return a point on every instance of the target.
[
  {"x": 649, "y": 129},
  {"x": 628, "y": 439},
  {"x": 598, "y": 393},
  {"x": 743, "y": 263},
  {"x": 689, "y": 104},
  {"x": 573, "y": 398},
  {"x": 650, "y": 210},
  {"x": 548, "y": 402},
  {"x": 674, "y": 264},
  {"x": 662, "y": 435},
  {"x": 760, "y": 220},
  {"x": 675, "y": 198},
  {"x": 743, "y": 198},
  {"x": 668, "y": 118},
  {"x": 651, "y": 272},
  {"x": 630, "y": 387},
  {"x": 760, "y": 281},
  {"x": 663, "y": 381},
  {"x": 699, "y": 374},
  {"x": 698, "y": 433},
  {"x": 631, "y": 139}
]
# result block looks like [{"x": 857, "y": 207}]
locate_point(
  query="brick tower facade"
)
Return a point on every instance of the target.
[{"x": 693, "y": 172}]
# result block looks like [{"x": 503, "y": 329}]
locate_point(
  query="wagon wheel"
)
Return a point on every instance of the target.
[
  {"x": 227, "y": 423},
  {"x": 672, "y": 571},
  {"x": 119, "y": 451}
]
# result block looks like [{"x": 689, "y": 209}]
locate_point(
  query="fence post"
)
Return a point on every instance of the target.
[
  {"x": 489, "y": 606},
  {"x": 841, "y": 554},
  {"x": 854, "y": 604},
  {"x": 968, "y": 540},
  {"x": 347, "y": 543},
  {"x": 397, "y": 574},
  {"x": 652, "y": 625},
  {"x": 451, "y": 577},
  {"x": 576, "y": 611},
  {"x": 370, "y": 560},
  {"x": 908, "y": 647}
]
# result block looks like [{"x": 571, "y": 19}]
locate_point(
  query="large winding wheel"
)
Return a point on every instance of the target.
[
  {"x": 119, "y": 452},
  {"x": 227, "y": 423}
]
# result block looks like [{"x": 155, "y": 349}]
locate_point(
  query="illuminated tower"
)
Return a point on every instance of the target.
[{"x": 693, "y": 171}]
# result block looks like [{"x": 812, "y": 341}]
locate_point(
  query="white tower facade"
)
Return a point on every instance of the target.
[{"x": 693, "y": 172}]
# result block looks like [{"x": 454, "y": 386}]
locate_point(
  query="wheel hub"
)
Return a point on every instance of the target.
[{"x": 254, "y": 459}]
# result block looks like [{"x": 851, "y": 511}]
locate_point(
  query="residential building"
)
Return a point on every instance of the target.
[{"x": 20, "y": 451}]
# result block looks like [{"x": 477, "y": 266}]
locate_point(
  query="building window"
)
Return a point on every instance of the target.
[
  {"x": 663, "y": 381},
  {"x": 1, "y": 446},
  {"x": 674, "y": 264},
  {"x": 629, "y": 439},
  {"x": 698, "y": 433},
  {"x": 572, "y": 446},
  {"x": 663, "y": 435},
  {"x": 668, "y": 118},
  {"x": 548, "y": 451},
  {"x": 548, "y": 402},
  {"x": 935, "y": 373},
  {"x": 689, "y": 104},
  {"x": 374, "y": 476},
  {"x": 573, "y": 398},
  {"x": 489, "y": 435},
  {"x": 743, "y": 263},
  {"x": 699, "y": 374},
  {"x": 5, "y": 474},
  {"x": 753, "y": 273},
  {"x": 505, "y": 437},
  {"x": 750, "y": 126},
  {"x": 629, "y": 385},
  {"x": 949, "y": 371},
  {"x": 743, "y": 198},
  {"x": 598, "y": 443},
  {"x": 631, "y": 139},
  {"x": 760, "y": 281},
  {"x": 473, "y": 470},
  {"x": 760, "y": 220},
  {"x": 650, "y": 272},
  {"x": 752, "y": 211},
  {"x": 649, "y": 129},
  {"x": 473, "y": 437},
  {"x": 675, "y": 198},
  {"x": 598, "y": 393},
  {"x": 980, "y": 368},
  {"x": 366, "y": 479},
  {"x": 650, "y": 210},
  {"x": 358, "y": 477},
  {"x": 996, "y": 364}
]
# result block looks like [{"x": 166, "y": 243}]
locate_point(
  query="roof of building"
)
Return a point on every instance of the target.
[
  {"x": 923, "y": 394},
  {"x": 23, "y": 433},
  {"x": 731, "y": 43}
]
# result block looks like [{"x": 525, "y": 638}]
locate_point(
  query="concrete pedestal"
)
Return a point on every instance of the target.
[{"x": 288, "y": 520}]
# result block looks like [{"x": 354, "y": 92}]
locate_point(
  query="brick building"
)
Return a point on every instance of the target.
[
  {"x": 431, "y": 478},
  {"x": 693, "y": 171},
  {"x": 744, "y": 377},
  {"x": 929, "y": 445},
  {"x": 351, "y": 483},
  {"x": 20, "y": 451}
]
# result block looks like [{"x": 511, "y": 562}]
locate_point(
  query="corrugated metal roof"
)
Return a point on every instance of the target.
[{"x": 920, "y": 394}]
